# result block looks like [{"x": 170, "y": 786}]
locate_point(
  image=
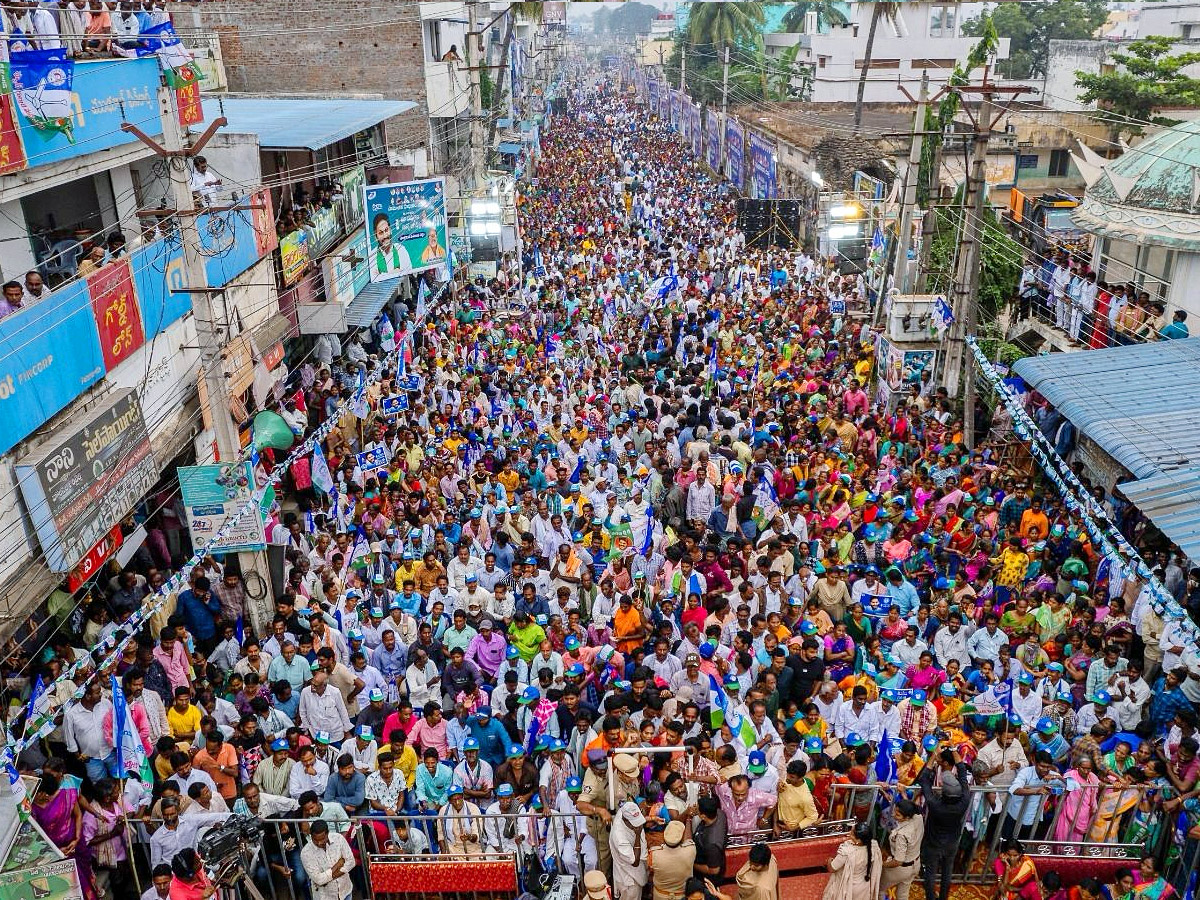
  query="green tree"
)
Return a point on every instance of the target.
[
  {"x": 878, "y": 11},
  {"x": 1030, "y": 27},
  {"x": 632, "y": 18},
  {"x": 725, "y": 24},
  {"x": 999, "y": 259},
  {"x": 829, "y": 13},
  {"x": 1148, "y": 79},
  {"x": 790, "y": 80}
]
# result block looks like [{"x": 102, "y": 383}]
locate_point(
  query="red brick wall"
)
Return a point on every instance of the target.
[{"x": 371, "y": 48}]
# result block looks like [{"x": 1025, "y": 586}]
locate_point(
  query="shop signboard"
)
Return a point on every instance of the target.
[
  {"x": 49, "y": 355},
  {"x": 105, "y": 94},
  {"x": 406, "y": 227},
  {"x": 84, "y": 479},
  {"x": 211, "y": 495}
]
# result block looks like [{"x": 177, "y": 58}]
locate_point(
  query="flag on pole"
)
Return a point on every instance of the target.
[
  {"x": 178, "y": 64},
  {"x": 131, "y": 754},
  {"x": 718, "y": 703},
  {"x": 39, "y": 703},
  {"x": 422, "y": 301},
  {"x": 885, "y": 766},
  {"x": 578, "y": 469},
  {"x": 321, "y": 476},
  {"x": 648, "y": 543}
]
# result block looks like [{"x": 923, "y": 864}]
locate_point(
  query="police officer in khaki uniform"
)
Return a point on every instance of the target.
[
  {"x": 593, "y": 799},
  {"x": 903, "y": 859},
  {"x": 671, "y": 864}
]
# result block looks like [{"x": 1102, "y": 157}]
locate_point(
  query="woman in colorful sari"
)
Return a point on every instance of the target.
[
  {"x": 1078, "y": 804},
  {"x": 1115, "y": 801},
  {"x": 56, "y": 809},
  {"x": 839, "y": 653},
  {"x": 1148, "y": 883},
  {"x": 1018, "y": 877},
  {"x": 1121, "y": 887}
]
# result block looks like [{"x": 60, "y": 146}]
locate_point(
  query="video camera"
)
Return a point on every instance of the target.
[{"x": 223, "y": 848}]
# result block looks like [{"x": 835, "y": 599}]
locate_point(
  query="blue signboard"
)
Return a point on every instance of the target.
[
  {"x": 406, "y": 227},
  {"x": 49, "y": 354},
  {"x": 375, "y": 458},
  {"x": 106, "y": 93},
  {"x": 762, "y": 167},
  {"x": 157, "y": 278},
  {"x": 391, "y": 406},
  {"x": 735, "y": 153}
]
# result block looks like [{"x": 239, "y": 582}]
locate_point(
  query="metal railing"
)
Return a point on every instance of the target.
[
  {"x": 1106, "y": 822},
  {"x": 1102, "y": 822}
]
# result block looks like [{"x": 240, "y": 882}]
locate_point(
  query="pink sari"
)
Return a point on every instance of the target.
[{"x": 1078, "y": 806}]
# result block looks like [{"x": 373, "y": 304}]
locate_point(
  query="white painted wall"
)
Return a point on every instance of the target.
[{"x": 16, "y": 254}]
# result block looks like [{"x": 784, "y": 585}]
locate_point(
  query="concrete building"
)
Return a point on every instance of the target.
[{"x": 924, "y": 36}]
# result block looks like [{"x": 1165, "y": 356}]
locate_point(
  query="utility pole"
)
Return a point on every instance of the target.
[
  {"x": 964, "y": 297},
  {"x": 724, "y": 105},
  {"x": 476, "y": 62},
  {"x": 682, "y": 65},
  {"x": 209, "y": 338},
  {"x": 908, "y": 202}
]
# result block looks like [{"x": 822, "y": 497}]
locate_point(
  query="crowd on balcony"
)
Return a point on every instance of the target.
[
  {"x": 648, "y": 575},
  {"x": 86, "y": 29}
]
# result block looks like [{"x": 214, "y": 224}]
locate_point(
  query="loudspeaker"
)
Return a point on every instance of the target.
[{"x": 768, "y": 223}]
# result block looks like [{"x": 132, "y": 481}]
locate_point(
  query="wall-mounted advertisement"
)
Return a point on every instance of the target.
[{"x": 406, "y": 227}]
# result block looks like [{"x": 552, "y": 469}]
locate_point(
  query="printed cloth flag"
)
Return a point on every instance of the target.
[
  {"x": 885, "y": 766},
  {"x": 718, "y": 703},
  {"x": 766, "y": 502},
  {"x": 321, "y": 476},
  {"x": 178, "y": 64},
  {"x": 648, "y": 543},
  {"x": 422, "y": 302},
  {"x": 943, "y": 315},
  {"x": 42, "y": 88},
  {"x": 39, "y": 702},
  {"x": 131, "y": 755}
]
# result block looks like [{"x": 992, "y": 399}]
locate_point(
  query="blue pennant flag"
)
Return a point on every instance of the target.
[
  {"x": 885, "y": 766},
  {"x": 578, "y": 469},
  {"x": 239, "y": 628},
  {"x": 35, "y": 702},
  {"x": 649, "y": 542}
]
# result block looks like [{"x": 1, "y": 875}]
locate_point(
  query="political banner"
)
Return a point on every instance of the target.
[
  {"x": 214, "y": 493},
  {"x": 837, "y": 307},
  {"x": 762, "y": 167},
  {"x": 876, "y": 606},
  {"x": 375, "y": 458},
  {"x": 712, "y": 140},
  {"x": 735, "y": 165},
  {"x": 41, "y": 86},
  {"x": 409, "y": 383},
  {"x": 57, "y": 880},
  {"x": 391, "y": 406},
  {"x": 406, "y": 227}
]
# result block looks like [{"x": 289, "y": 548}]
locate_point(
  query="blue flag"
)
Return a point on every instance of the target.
[
  {"x": 578, "y": 469},
  {"x": 35, "y": 702},
  {"x": 885, "y": 766},
  {"x": 649, "y": 542}
]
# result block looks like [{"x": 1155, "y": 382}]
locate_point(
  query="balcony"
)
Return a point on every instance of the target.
[{"x": 447, "y": 88}]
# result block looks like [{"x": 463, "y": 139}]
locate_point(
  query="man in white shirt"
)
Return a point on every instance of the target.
[
  {"x": 323, "y": 710},
  {"x": 309, "y": 774},
  {"x": 327, "y": 860},
  {"x": 204, "y": 182},
  {"x": 855, "y": 717}
]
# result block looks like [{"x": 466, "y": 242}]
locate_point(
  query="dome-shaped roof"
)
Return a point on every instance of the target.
[{"x": 1151, "y": 193}]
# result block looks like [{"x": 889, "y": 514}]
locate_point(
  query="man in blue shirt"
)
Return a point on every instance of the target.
[
  {"x": 201, "y": 610},
  {"x": 902, "y": 592},
  {"x": 493, "y": 739}
]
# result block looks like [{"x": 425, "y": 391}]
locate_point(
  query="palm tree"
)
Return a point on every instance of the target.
[
  {"x": 829, "y": 13},
  {"x": 725, "y": 24},
  {"x": 879, "y": 11}
]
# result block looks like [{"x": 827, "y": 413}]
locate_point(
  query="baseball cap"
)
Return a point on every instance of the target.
[
  {"x": 322, "y": 737},
  {"x": 530, "y": 695},
  {"x": 504, "y": 790},
  {"x": 1025, "y": 678},
  {"x": 511, "y": 652},
  {"x": 471, "y": 744},
  {"x": 756, "y": 762},
  {"x": 454, "y": 790},
  {"x": 1102, "y": 697},
  {"x": 1046, "y": 725},
  {"x": 366, "y": 733},
  {"x": 948, "y": 690},
  {"x": 375, "y": 694},
  {"x": 575, "y": 670},
  {"x": 854, "y": 739},
  {"x": 813, "y": 744},
  {"x": 515, "y": 750},
  {"x": 572, "y": 642},
  {"x": 484, "y": 712},
  {"x": 918, "y": 697},
  {"x": 279, "y": 744}
]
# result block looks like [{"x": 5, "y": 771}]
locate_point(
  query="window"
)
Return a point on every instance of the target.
[
  {"x": 1060, "y": 163},
  {"x": 878, "y": 64},
  {"x": 433, "y": 40},
  {"x": 942, "y": 22},
  {"x": 946, "y": 63}
]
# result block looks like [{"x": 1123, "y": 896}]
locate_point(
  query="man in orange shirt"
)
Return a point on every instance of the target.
[
  {"x": 219, "y": 761},
  {"x": 630, "y": 625},
  {"x": 609, "y": 738}
]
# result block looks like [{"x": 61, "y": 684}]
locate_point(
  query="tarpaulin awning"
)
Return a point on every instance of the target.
[{"x": 285, "y": 122}]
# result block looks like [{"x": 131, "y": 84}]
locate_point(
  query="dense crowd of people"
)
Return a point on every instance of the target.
[{"x": 648, "y": 573}]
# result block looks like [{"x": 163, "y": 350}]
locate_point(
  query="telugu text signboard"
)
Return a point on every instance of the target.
[{"x": 79, "y": 483}]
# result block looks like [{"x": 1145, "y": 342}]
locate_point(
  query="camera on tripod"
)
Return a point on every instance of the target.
[{"x": 223, "y": 848}]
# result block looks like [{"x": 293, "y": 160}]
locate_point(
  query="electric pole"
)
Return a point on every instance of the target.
[
  {"x": 964, "y": 297},
  {"x": 908, "y": 202},
  {"x": 724, "y": 106},
  {"x": 475, "y": 61},
  {"x": 209, "y": 338}
]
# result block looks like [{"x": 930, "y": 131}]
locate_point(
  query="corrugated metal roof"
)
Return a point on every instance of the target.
[
  {"x": 286, "y": 122},
  {"x": 362, "y": 310},
  {"x": 1172, "y": 502},
  {"x": 1140, "y": 403}
]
